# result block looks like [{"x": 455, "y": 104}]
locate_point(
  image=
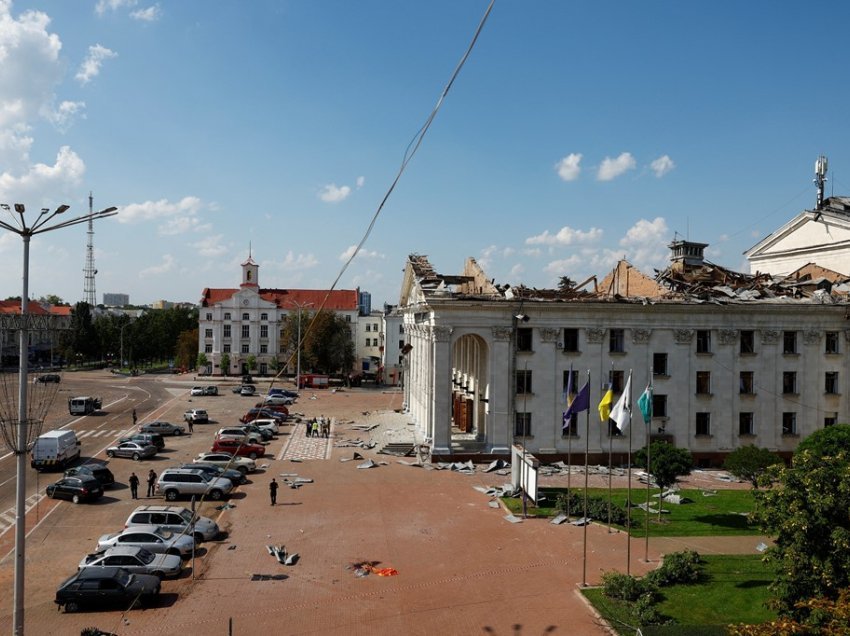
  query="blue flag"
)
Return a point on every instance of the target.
[{"x": 579, "y": 404}]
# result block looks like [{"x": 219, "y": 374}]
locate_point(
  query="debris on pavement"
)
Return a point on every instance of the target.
[
  {"x": 367, "y": 464},
  {"x": 559, "y": 520},
  {"x": 365, "y": 568},
  {"x": 513, "y": 519},
  {"x": 496, "y": 464}
]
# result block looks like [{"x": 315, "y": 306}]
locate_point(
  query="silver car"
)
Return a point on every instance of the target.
[
  {"x": 135, "y": 559},
  {"x": 133, "y": 450},
  {"x": 154, "y": 538}
]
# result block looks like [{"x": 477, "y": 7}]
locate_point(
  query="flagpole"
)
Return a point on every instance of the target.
[
  {"x": 629, "y": 496},
  {"x": 586, "y": 452},
  {"x": 648, "y": 477},
  {"x": 569, "y": 440},
  {"x": 610, "y": 470}
]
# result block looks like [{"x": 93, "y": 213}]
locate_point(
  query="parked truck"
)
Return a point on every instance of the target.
[{"x": 55, "y": 450}]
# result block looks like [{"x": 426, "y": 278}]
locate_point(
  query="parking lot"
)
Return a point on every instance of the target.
[{"x": 461, "y": 567}]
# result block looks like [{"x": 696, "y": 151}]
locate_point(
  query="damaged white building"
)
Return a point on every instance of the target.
[{"x": 734, "y": 359}]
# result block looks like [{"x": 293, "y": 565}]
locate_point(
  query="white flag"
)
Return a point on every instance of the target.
[{"x": 622, "y": 411}]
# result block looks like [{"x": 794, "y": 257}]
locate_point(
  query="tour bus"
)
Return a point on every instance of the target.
[{"x": 83, "y": 405}]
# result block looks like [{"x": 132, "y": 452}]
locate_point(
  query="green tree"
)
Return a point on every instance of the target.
[
  {"x": 225, "y": 363},
  {"x": 202, "y": 360},
  {"x": 827, "y": 441},
  {"x": 326, "y": 345},
  {"x": 251, "y": 361},
  {"x": 81, "y": 338},
  {"x": 187, "y": 347},
  {"x": 51, "y": 299},
  {"x": 668, "y": 464},
  {"x": 807, "y": 514},
  {"x": 750, "y": 463}
]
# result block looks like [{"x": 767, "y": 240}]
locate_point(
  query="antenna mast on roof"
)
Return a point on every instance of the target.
[
  {"x": 821, "y": 166},
  {"x": 90, "y": 271}
]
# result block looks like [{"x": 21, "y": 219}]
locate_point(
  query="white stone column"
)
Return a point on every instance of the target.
[
  {"x": 441, "y": 416},
  {"x": 500, "y": 433}
]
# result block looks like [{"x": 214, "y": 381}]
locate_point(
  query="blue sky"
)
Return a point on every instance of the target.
[{"x": 576, "y": 134}]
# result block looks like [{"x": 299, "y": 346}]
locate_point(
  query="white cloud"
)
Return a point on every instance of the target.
[
  {"x": 364, "y": 253},
  {"x": 150, "y": 14},
  {"x": 63, "y": 116},
  {"x": 568, "y": 168},
  {"x": 90, "y": 68},
  {"x": 489, "y": 253},
  {"x": 67, "y": 171},
  {"x": 613, "y": 168},
  {"x": 210, "y": 246},
  {"x": 646, "y": 244},
  {"x": 148, "y": 210},
  {"x": 360, "y": 182},
  {"x": 532, "y": 251},
  {"x": 180, "y": 225},
  {"x": 333, "y": 194},
  {"x": 517, "y": 270},
  {"x": 293, "y": 262},
  {"x": 103, "y": 5},
  {"x": 662, "y": 166},
  {"x": 164, "y": 267},
  {"x": 565, "y": 236}
]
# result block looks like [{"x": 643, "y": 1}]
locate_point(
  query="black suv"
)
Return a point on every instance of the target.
[
  {"x": 76, "y": 489},
  {"x": 107, "y": 585},
  {"x": 48, "y": 377},
  {"x": 98, "y": 471}
]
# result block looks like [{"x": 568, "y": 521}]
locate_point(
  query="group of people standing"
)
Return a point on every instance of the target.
[
  {"x": 134, "y": 484},
  {"x": 318, "y": 425}
]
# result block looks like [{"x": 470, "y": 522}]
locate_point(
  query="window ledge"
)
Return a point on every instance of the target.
[
  {"x": 791, "y": 393},
  {"x": 746, "y": 354},
  {"x": 832, "y": 394},
  {"x": 790, "y": 435},
  {"x": 661, "y": 376},
  {"x": 746, "y": 435},
  {"x": 571, "y": 352},
  {"x": 705, "y": 395},
  {"x": 705, "y": 353},
  {"x": 747, "y": 393},
  {"x": 792, "y": 354},
  {"x": 704, "y": 435},
  {"x": 617, "y": 353},
  {"x": 522, "y": 351}
]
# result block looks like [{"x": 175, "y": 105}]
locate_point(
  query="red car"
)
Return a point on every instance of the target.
[
  {"x": 234, "y": 446},
  {"x": 254, "y": 414},
  {"x": 277, "y": 408}
]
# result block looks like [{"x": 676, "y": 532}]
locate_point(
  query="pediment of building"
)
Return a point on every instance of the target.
[{"x": 804, "y": 234}]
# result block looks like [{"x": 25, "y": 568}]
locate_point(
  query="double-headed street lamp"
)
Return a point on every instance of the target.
[{"x": 19, "y": 226}]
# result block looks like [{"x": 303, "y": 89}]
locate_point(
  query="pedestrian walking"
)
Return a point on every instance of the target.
[
  {"x": 315, "y": 429},
  {"x": 134, "y": 486},
  {"x": 309, "y": 427},
  {"x": 191, "y": 424},
  {"x": 273, "y": 491},
  {"x": 151, "y": 482},
  {"x": 134, "y": 417}
]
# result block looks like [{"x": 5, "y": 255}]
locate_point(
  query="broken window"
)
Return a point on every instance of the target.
[
  {"x": 523, "y": 339},
  {"x": 703, "y": 424},
  {"x": 703, "y": 382},
  {"x": 746, "y": 386},
  {"x": 789, "y": 423},
  {"x": 830, "y": 420},
  {"x": 831, "y": 342},
  {"x": 789, "y": 342},
  {"x": 616, "y": 341},
  {"x": 745, "y": 424},
  {"x": 789, "y": 382},
  {"x": 703, "y": 341},
  {"x": 831, "y": 384},
  {"x": 522, "y": 425},
  {"x": 571, "y": 340},
  {"x": 659, "y": 364},
  {"x": 523, "y": 381},
  {"x": 748, "y": 342}
]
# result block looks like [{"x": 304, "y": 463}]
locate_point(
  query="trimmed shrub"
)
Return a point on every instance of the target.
[
  {"x": 678, "y": 567},
  {"x": 625, "y": 587},
  {"x": 597, "y": 507}
]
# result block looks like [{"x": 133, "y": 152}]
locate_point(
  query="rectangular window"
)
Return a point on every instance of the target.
[
  {"x": 659, "y": 405},
  {"x": 209, "y": 316},
  {"x": 830, "y": 420},
  {"x": 831, "y": 382},
  {"x": 789, "y": 342},
  {"x": 571, "y": 429},
  {"x": 401, "y": 328},
  {"x": 523, "y": 381},
  {"x": 368, "y": 327},
  {"x": 746, "y": 385},
  {"x": 245, "y": 348},
  {"x": 523, "y": 339},
  {"x": 245, "y": 316},
  {"x": 347, "y": 317},
  {"x": 659, "y": 364},
  {"x": 225, "y": 348},
  {"x": 207, "y": 348},
  {"x": 789, "y": 382},
  {"x": 831, "y": 342},
  {"x": 617, "y": 341},
  {"x": 375, "y": 327},
  {"x": 571, "y": 340},
  {"x": 703, "y": 382},
  {"x": 246, "y": 331},
  {"x": 368, "y": 340},
  {"x": 226, "y": 331},
  {"x": 748, "y": 341},
  {"x": 207, "y": 333},
  {"x": 745, "y": 424},
  {"x": 522, "y": 425},
  {"x": 789, "y": 423},
  {"x": 401, "y": 344},
  {"x": 264, "y": 348},
  {"x": 264, "y": 316},
  {"x": 615, "y": 379},
  {"x": 227, "y": 315},
  {"x": 576, "y": 387},
  {"x": 264, "y": 331},
  {"x": 703, "y": 341},
  {"x": 704, "y": 424},
  {"x": 374, "y": 342}
]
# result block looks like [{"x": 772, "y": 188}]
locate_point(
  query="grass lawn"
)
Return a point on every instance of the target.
[
  {"x": 722, "y": 514},
  {"x": 733, "y": 590}
]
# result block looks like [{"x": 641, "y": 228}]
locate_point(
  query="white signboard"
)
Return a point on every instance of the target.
[{"x": 524, "y": 471}]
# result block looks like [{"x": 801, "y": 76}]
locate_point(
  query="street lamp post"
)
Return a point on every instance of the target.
[
  {"x": 121, "y": 338},
  {"x": 19, "y": 226},
  {"x": 298, "y": 354}
]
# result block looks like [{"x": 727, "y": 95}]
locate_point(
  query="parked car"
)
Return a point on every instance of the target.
[
  {"x": 247, "y": 379},
  {"x": 154, "y": 439},
  {"x": 197, "y": 390},
  {"x": 135, "y": 560},
  {"x": 247, "y": 389},
  {"x": 175, "y": 519},
  {"x": 225, "y": 460},
  {"x": 134, "y": 450},
  {"x": 255, "y": 413},
  {"x": 76, "y": 489},
  {"x": 184, "y": 482},
  {"x": 98, "y": 471},
  {"x": 196, "y": 416},
  {"x": 228, "y": 445},
  {"x": 163, "y": 428},
  {"x": 266, "y": 434},
  {"x": 278, "y": 409},
  {"x": 153, "y": 538},
  {"x": 239, "y": 432},
  {"x": 269, "y": 424},
  {"x": 278, "y": 400},
  {"x": 283, "y": 392},
  {"x": 211, "y": 390},
  {"x": 236, "y": 477},
  {"x": 49, "y": 378},
  {"x": 102, "y": 586}
]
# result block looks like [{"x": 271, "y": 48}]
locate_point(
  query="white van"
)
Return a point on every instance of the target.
[
  {"x": 55, "y": 449},
  {"x": 83, "y": 405}
]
